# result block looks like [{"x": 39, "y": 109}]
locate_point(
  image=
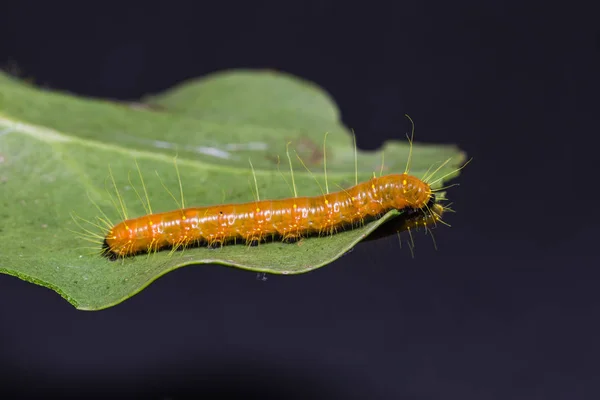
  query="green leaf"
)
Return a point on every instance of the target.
[{"x": 56, "y": 148}]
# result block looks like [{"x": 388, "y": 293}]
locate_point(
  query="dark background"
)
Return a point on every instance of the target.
[{"x": 507, "y": 308}]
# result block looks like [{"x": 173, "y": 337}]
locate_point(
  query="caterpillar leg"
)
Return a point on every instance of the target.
[
  {"x": 253, "y": 241},
  {"x": 215, "y": 243},
  {"x": 291, "y": 238}
]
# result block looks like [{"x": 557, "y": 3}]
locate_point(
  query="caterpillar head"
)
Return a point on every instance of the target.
[{"x": 413, "y": 193}]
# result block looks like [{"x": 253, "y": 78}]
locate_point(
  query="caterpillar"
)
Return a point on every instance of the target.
[
  {"x": 287, "y": 220},
  {"x": 254, "y": 222}
]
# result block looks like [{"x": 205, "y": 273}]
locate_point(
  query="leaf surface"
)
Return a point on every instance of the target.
[{"x": 56, "y": 149}]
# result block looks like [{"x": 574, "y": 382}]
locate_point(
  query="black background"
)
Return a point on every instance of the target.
[{"x": 507, "y": 308}]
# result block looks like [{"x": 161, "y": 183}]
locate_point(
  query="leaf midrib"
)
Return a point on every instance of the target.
[{"x": 42, "y": 133}]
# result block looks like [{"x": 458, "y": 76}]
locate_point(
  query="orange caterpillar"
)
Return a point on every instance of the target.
[
  {"x": 285, "y": 219},
  {"x": 257, "y": 221}
]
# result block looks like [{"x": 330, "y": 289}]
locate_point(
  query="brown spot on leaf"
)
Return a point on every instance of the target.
[{"x": 310, "y": 152}]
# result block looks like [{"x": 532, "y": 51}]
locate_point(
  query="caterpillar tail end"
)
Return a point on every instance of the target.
[{"x": 107, "y": 252}]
